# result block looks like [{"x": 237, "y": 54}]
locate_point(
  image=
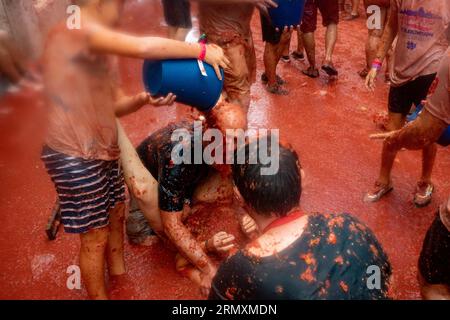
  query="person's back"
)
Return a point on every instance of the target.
[
  {"x": 80, "y": 93},
  {"x": 225, "y": 20},
  {"x": 330, "y": 260}
]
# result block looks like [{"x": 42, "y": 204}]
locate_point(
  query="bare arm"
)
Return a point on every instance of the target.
[
  {"x": 112, "y": 42},
  {"x": 389, "y": 34},
  {"x": 129, "y": 104},
  {"x": 182, "y": 238}
]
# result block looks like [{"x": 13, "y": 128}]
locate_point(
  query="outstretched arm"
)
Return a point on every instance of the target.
[
  {"x": 109, "y": 41},
  {"x": 129, "y": 104},
  {"x": 182, "y": 238}
]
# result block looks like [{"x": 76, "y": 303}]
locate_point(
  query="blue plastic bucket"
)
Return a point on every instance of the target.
[
  {"x": 444, "y": 140},
  {"x": 184, "y": 79},
  {"x": 288, "y": 13}
]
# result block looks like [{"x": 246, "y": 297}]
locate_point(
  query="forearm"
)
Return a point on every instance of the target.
[
  {"x": 186, "y": 243},
  {"x": 127, "y": 105},
  {"x": 113, "y": 42},
  {"x": 389, "y": 34}
]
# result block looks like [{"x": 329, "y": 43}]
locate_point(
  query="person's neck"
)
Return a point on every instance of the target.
[{"x": 264, "y": 221}]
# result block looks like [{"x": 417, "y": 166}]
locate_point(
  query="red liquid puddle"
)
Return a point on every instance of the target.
[{"x": 327, "y": 123}]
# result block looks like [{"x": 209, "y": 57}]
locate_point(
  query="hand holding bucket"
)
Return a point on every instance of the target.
[{"x": 194, "y": 82}]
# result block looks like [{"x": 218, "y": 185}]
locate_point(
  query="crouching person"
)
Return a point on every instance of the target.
[{"x": 299, "y": 255}]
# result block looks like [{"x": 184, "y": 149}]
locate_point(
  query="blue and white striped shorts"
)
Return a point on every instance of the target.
[{"x": 87, "y": 189}]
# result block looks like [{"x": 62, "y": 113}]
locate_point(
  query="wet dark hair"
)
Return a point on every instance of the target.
[{"x": 269, "y": 194}]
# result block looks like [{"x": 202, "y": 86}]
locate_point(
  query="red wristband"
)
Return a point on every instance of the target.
[
  {"x": 203, "y": 52},
  {"x": 377, "y": 64}
]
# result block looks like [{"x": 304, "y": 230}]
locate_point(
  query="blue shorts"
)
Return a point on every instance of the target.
[{"x": 87, "y": 189}]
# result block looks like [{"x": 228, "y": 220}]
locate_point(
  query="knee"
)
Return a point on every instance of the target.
[
  {"x": 95, "y": 239},
  {"x": 143, "y": 190}
]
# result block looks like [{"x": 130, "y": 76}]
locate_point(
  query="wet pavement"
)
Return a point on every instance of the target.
[{"x": 328, "y": 123}]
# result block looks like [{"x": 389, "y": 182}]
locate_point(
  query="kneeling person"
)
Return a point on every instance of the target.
[{"x": 299, "y": 255}]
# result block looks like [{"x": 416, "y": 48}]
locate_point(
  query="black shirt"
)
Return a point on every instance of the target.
[
  {"x": 176, "y": 182},
  {"x": 330, "y": 260}
]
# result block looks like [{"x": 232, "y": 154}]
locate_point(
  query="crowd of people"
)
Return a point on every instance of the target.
[{"x": 290, "y": 254}]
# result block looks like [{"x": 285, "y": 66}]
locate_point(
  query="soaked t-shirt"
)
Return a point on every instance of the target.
[
  {"x": 438, "y": 103},
  {"x": 227, "y": 22},
  {"x": 80, "y": 88},
  {"x": 176, "y": 182},
  {"x": 422, "y": 39},
  {"x": 332, "y": 260}
]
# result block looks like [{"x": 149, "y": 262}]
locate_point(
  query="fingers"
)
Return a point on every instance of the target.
[
  {"x": 223, "y": 242},
  {"x": 250, "y": 229},
  {"x": 370, "y": 79},
  {"x": 369, "y": 84},
  {"x": 223, "y": 238},
  {"x": 384, "y": 135},
  {"x": 163, "y": 101},
  {"x": 217, "y": 70},
  {"x": 225, "y": 63},
  {"x": 271, "y": 3}
]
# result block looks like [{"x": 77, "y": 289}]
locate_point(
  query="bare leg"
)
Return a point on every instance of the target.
[
  {"x": 419, "y": 134},
  {"x": 428, "y": 158},
  {"x": 142, "y": 185},
  {"x": 92, "y": 262},
  {"x": 287, "y": 48},
  {"x": 310, "y": 48},
  {"x": 270, "y": 63},
  {"x": 272, "y": 55},
  {"x": 116, "y": 263},
  {"x": 300, "y": 45},
  {"x": 331, "y": 37}
]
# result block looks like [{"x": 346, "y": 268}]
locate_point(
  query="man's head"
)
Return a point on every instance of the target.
[
  {"x": 108, "y": 11},
  {"x": 231, "y": 121},
  {"x": 269, "y": 195},
  {"x": 227, "y": 116}
]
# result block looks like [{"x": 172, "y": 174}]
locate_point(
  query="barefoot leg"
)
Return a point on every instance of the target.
[{"x": 92, "y": 262}]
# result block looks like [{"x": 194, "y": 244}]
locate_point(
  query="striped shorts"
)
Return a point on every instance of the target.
[{"x": 87, "y": 189}]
